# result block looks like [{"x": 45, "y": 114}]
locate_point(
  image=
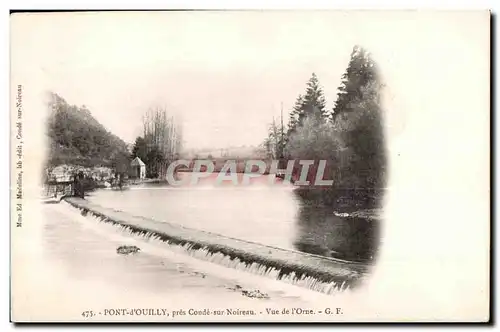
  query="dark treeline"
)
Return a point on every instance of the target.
[
  {"x": 77, "y": 138},
  {"x": 349, "y": 136}
]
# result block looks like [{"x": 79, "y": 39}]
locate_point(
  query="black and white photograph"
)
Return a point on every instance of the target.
[{"x": 250, "y": 166}]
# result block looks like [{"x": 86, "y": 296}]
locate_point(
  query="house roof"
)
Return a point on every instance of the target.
[{"x": 137, "y": 162}]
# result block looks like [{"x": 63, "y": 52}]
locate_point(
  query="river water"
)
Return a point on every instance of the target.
[
  {"x": 269, "y": 214},
  {"x": 78, "y": 268}
]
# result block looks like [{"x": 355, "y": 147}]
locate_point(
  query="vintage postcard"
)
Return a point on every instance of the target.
[{"x": 250, "y": 166}]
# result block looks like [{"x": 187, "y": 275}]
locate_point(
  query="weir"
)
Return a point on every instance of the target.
[{"x": 323, "y": 274}]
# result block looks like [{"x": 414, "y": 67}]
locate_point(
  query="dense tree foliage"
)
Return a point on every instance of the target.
[
  {"x": 274, "y": 144},
  {"x": 360, "y": 73},
  {"x": 77, "y": 138},
  {"x": 311, "y": 104},
  {"x": 140, "y": 149},
  {"x": 350, "y": 137}
]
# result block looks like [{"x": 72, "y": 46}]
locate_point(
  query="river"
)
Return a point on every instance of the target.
[
  {"x": 78, "y": 268},
  {"x": 269, "y": 214}
]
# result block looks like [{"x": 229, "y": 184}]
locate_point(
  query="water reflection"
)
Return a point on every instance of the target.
[
  {"x": 271, "y": 215},
  {"x": 321, "y": 232}
]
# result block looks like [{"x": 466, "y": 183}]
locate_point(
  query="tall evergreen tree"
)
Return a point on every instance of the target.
[
  {"x": 358, "y": 118},
  {"x": 314, "y": 101},
  {"x": 311, "y": 104},
  {"x": 360, "y": 73}
]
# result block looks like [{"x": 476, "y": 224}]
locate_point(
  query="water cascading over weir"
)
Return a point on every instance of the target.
[{"x": 318, "y": 273}]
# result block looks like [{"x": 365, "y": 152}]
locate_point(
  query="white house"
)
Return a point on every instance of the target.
[{"x": 137, "y": 169}]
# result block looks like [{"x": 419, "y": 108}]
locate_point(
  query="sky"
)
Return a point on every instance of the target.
[{"x": 225, "y": 74}]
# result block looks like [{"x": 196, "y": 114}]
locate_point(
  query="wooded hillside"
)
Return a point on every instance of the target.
[{"x": 77, "y": 138}]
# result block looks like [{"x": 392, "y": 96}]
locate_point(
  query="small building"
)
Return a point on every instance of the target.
[{"x": 137, "y": 169}]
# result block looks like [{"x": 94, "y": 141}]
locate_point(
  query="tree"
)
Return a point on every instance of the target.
[
  {"x": 163, "y": 140},
  {"x": 76, "y": 137},
  {"x": 140, "y": 148},
  {"x": 275, "y": 142},
  {"x": 362, "y": 131},
  {"x": 353, "y": 143},
  {"x": 314, "y": 101},
  {"x": 294, "y": 115},
  {"x": 360, "y": 72},
  {"x": 155, "y": 159},
  {"x": 314, "y": 141},
  {"x": 121, "y": 163},
  {"x": 311, "y": 104},
  {"x": 358, "y": 118}
]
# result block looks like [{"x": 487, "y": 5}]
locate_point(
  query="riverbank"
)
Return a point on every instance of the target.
[{"x": 75, "y": 268}]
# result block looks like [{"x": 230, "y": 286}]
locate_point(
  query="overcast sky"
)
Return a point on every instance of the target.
[{"x": 225, "y": 72}]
